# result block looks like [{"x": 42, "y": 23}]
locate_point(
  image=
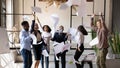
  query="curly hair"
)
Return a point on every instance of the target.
[{"x": 49, "y": 29}]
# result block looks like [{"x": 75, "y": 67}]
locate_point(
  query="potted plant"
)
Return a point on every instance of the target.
[{"x": 114, "y": 42}]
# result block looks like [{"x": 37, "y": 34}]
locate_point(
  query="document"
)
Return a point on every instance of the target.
[
  {"x": 36, "y": 9},
  {"x": 94, "y": 42},
  {"x": 45, "y": 53}
]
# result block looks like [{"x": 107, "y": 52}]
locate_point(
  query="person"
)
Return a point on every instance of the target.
[
  {"x": 37, "y": 48},
  {"x": 80, "y": 45},
  {"x": 60, "y": 37},
  {"x": 46, "y": 35},
  {"x": 25, "y": 41},
  {"x": 102, "y": 34}
]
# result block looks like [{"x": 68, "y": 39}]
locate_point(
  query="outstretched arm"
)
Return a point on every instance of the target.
[
  {"x": 38, "y": 22},
  {"x": 92, "y": 23},
  {"x": 102, "y": 21}
]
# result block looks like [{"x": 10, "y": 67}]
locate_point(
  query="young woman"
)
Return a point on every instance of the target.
[
  {"x": 37, "y": 48},
  {"x": 60, "y": 37},
  {"x": 46, "y": 35},
  {"x": 80, "y": 45}
]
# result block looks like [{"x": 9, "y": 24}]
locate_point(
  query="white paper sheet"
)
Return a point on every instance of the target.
[
  {"x": 4, "y": 42},
  {"x": 69, "y": 3},
  {"x": 61, "y": 47},
  {"x": 33, "y": 38},
  {"x": 73, "y": 2},
  {"x": 58, "y": 47},
  {"x": 72, "y": 32},
  {"x": 63, "y": 6},
  {"x": 55, "y": 20},
  {"x": 94, "y": 42},
  {"x": 45, "y": 53},
  {"x": 26, "y": 18},
  {"x": 82, "y": 9},
  {"x": 36, "y": 9},
  {"x": 77, "y": 37},
  {"x": 66, "y": 47}
]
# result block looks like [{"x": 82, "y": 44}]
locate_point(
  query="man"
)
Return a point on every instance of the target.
[
  {"x": 25, "y": 41},
  {"x": 60, "y": 37},
  {"x": 102, "y": 34}
]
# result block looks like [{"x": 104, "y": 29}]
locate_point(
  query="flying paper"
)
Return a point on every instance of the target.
[
  {"x": 45, "y": 53},
  {"x": 73, "y": 2},
  {"x": 82, "y": 9},
  {"x": 63, "y": 6},
  {"x": 36, "y": 9},
  {"x": 55, "y": 20},
  {"x": 26, "y": 18},
  {"x": 72, "y": 32},
  {"x": 4, "y": 42},
  {"x": 94, "y": 42},
  {"x": 60, "y": 47}
]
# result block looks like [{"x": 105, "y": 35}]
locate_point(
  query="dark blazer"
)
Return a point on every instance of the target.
[{"x": 59, "y": 37}]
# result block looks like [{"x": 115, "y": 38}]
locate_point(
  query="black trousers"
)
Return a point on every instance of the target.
[
  {"x": 63, "y": 60},
  {"x": 78, "y": 54}
]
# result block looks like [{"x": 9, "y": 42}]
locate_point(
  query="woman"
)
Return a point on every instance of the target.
[
  {"x": 37, "y": 48},
  {"x": 46, "y": 35},
  {"x": 80, "y": 44},
  {"x": 60, "y": 37}
]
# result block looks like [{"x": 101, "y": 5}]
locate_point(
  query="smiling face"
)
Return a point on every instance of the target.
[
  {"x": 36, "y": 26},
  {"x": 45, "y": 28},
  {"x": 98, "y": 24},
  {"x": 61, "y": 28}
]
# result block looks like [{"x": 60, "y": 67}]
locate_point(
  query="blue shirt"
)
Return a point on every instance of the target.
[{"x": 25, "y": 40}]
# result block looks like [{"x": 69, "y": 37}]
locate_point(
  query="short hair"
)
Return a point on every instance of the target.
[
  {"x": 62, "y": 26},
  {"x": 24, "y": 23},
  {"x": 83, "y": 30},
  {"x": 49, "y": 29}
]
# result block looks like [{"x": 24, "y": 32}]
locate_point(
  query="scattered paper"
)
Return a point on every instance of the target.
[
  {"x": 94, "y": 42},
  {"x": 55, "y": 20},
  {"x": 63, "y": 6},
  {"x": 73, "y": 2},
  {"x": 60, "y": 47},
  {"x": 4, "y": 41},
  {"x": 69, "y": 3},
  {"x": 72, "y": 32},
  {"x": 77, "y": 37},
  {"x": 82, "y": 9},
  {"x": 45, "y": 53},
  {"x": 33, "y": 38},
  {"x": 36, "y": 9},
  {"x": 66, "y": 47},
  {"x": 26, "y": 18}
]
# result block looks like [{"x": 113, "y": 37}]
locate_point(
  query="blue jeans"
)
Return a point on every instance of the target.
[
  {"x": 27, "y": 58},
  {"x": 46, "y": 61}
]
